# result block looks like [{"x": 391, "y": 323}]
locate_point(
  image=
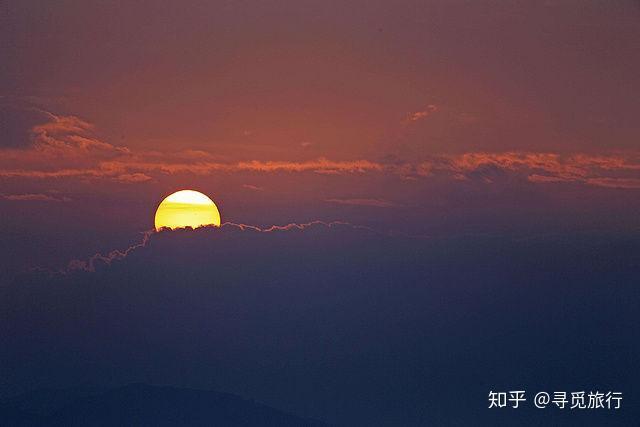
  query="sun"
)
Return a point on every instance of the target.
[{"x": 186, "y": 208}]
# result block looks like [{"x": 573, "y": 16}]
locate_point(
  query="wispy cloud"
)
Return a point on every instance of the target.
[
  {"x": 252, "y": 187},
  {"x": 599, "y": 170},
  {"x": 419, "y": 115},
  {"x": 66, "y": 147},
  {"x": 295, "y": 226},
  {"x": 133, "y": 177},
  {"x": 33, "y": 197},
  {"x": 624, "y": 183},
  {"x": 378, "y": 203}
]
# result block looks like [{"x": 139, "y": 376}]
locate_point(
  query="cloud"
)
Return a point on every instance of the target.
[
  {"x": 296, "y": 226},
  {"x": 64, "y": 146},
  {"x": 93, "y": 262},
  {"x": 544, "y": 179},
  {"x": 419, "y": 115},
  {"x": 90, "y": 264},
  {"x": 252, "y": 187},
  {"x": 378, "y": 203},
  {"x": 67, "y": 147},
  {"x": 578, "y": 168},
  {"x": 110, "y": 169},
  {"x": 133, "y": 177},
  {"x": 70, "y": 135},
  {"x": 626, "y": 183},
  {"x": 321, "y": 165},
  {"x": 215, "y": 307},
  {"x": 34, "y": 197},
  {"x": 163, "y": 164},
  {"x": 16, "y": 120},
  {"x": 621, "y": 170}
]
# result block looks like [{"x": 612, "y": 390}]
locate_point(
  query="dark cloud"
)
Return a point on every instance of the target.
[
  {"x": 16, "y": 121},
  {"x": 307, "y": 319},
  {"x": 228, "y": 227}
]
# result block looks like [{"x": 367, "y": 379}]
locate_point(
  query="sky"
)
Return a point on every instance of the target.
[{"x": 488, "y": 152}]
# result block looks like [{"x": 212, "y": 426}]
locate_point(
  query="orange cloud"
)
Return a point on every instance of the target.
[
  {"x": 133, "y": 177},
  {"x": 65, "y": 147},
  {"x": 626, "y": 183},
  {"x": 419, "y": 115},
  {"x": 69, "y": 135}
]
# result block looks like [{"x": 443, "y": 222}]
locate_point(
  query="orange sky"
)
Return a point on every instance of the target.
[{"x": 438, "y": 115}]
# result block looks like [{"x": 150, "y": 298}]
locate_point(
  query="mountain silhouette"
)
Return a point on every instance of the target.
[{"x": 141, "y": 405}]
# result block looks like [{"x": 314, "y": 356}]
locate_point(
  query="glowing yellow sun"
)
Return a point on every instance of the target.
[{"x": 187, "y": 208}]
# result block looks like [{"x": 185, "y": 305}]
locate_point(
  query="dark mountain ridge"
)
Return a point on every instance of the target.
[{"x": 140, "y": 405}]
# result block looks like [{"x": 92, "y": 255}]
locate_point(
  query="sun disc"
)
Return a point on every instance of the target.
[{"x": 186, "y": 208}]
